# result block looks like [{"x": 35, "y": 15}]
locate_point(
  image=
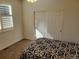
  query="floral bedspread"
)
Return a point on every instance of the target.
[{"x": 44, "y": 48}]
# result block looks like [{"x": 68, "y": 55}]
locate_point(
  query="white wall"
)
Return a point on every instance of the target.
[
  {"x": 10, "y": 37},
  {"x": 71, "y": 21},
  {"x": 28, "y": 20}
]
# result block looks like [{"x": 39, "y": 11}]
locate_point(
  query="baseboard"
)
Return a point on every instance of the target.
[
  {"x": 30, "y": 38},
  {"x": 26, "y": 39}
]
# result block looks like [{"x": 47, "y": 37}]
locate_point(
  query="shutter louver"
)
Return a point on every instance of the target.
[
  {"x": 4, "y": 10},
  {"x": 7, "y": 22}
]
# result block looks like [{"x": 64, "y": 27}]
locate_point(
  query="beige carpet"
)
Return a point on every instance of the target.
[{"x": 15, "y": 50}]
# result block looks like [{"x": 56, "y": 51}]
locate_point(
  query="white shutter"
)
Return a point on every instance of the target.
[
  {"x": 6, "y": 20},
  {"x": 4, "y": 10}
]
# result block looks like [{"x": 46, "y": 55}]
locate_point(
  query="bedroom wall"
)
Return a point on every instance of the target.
[
  {"x": 71, "y": 21},
  {"x": 10, "y": 37},
  {"x": 28, "y": 20}
]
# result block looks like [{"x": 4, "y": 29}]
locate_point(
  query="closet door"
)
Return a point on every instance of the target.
[
  {"x": 49, "y": 23},
  {"x": 41, "y": 22},
  {"x": 55, "y": 23}
]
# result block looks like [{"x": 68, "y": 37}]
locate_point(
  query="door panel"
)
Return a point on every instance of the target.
[
  {"x": 41, "y": 22},
  {"x": 55, "y": 22}
]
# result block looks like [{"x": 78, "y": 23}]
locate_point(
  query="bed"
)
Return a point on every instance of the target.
[{"x": 44, "y": 48}]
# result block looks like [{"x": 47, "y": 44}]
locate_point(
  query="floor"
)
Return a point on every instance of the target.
[{"x": 15, "y": 50}]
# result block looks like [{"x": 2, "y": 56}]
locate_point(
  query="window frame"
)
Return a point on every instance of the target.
[{"x": 7, "y": 29}]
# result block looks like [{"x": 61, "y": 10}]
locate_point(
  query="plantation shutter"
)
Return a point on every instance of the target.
[
  {"x": 4, "y": 10},
  {"x": 6, "y": 17}
]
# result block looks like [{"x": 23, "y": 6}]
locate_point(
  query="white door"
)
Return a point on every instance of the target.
[
  {"x": 49, "y": 23},
  {"x": 55, "y": 22},
  {"x": 41, "y": 22}
]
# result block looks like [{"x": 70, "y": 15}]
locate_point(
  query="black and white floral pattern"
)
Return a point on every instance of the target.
[{"x": 44, "y": 48}]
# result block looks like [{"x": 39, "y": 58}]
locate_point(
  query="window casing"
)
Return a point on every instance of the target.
[{"x": 6, "y": 19}]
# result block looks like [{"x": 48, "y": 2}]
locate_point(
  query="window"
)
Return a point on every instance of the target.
[{"x": 6, "y": 20}]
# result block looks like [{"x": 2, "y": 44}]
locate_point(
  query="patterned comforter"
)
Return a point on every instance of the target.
[{"x": 44, "y": 48}]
